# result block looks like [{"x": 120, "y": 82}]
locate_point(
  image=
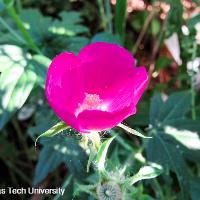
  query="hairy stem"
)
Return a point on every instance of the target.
[{"x": 12, "y": 12}]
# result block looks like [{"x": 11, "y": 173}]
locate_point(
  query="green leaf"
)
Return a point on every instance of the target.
[
  {"x": 92, "y": 156},
  {"x": 186, "y": 124},
  {"x": 138, "y": 193},
  {"x": 106, "y": 37},
  {"x": 132, "y": 131},
  {"x": 2, "y": 6},
  {"x": 54, "y": 35},
  {"x": 139, "y": 20},
  {"x": 60, "y": 150},
  {"x": 8, "y": 3},
  {"x": 174, "y": 107},
  {"x": 65, "y": 185},
  {"x": 40, "y": 65},
  {"x": 16, "y": 83},
  {"x": 124, "y": 143},
  {"x": 184, "y": 130},
  {"x": 170, "y": 130},
  {"x": 193, "y": 21},
  {"x": 38, "y": 29},
  {"x": 114, "y": 162},
  {"x": 155, "y": 108},
  {"x": 11, "y": 55},
  {"x": 142, "y": 117},
  {"x": 56, "y": 129},
  {"x": 187, "y": 134},
  {"x": 155, "y": 27},
  {"x": 162, "y": 62},
  {"x": 101, "y": 155},
  {"x": 195, "y": 188},
  {"x": 175, "y": 16},
  {"x": 44, "y": 119},
  {"x": 146, "y": 172},
  {"x": 64, "y": 43},
  {"x": 73, "y": 44},
  {"x": 89, "y": 189},
  {"x": 8, "y": 35},
  {"x": 69, "y": 24},
  {"x": 164, "y": 150},
  {"x": 186, "y": 137},
  {"x": 175, "y": 137}
]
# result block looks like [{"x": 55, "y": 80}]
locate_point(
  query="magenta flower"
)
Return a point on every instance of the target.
[{"x": 97, "y": 89}]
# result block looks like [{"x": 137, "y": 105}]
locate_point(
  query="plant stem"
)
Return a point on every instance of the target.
[
  {"x": 21, "y": 139},
  {"x": 143, "y": 31},
  {"x": 160, "y": 37},
  {"x": 11, "y": 30},
  {"x": 12, "y": 12},
  {"x": 18, "y": 172},
  {"x": 156, "y": 47},
  {"x": 158, "y": 190},
  {"x": 13, "y": 177},
  {"x": 64, "y": 186},
  {"x": 192, "y": 79},
  {"x": 19, "y": 6},
  {"x": 102, "y": 13},
  {"x": 120, "y": 18},
  {"x": 108, "y": 16}
]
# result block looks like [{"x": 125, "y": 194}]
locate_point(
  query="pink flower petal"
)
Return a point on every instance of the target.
[
  {"x": 97, "y": 89},
  {"x": 140, "y": 83},
  {"x": 64, "y": 83},
  {"x": 96, "y": 120},
  {"x": 104, "y": 65}
]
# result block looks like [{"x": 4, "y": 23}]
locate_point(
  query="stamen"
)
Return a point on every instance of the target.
[{"x": 91, "y": 102}]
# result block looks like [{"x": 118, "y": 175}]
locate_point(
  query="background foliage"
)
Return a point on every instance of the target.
[{"x": 164, "y": 37}]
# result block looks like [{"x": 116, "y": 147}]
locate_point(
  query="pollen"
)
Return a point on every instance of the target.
[{"x": 91, "y": 102}]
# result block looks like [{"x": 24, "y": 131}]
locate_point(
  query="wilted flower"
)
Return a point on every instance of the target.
[
  {"x": 109, "y": 190},
  {"x": 97, "y": 89}
]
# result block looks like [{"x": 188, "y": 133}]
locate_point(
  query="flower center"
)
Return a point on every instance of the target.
[
  {"x": 108, "y": 193},
  {"x": 91, "y": 102}
]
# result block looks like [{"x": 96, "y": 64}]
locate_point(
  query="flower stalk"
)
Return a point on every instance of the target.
[
  {"x": 192, "y": 82},
  {"x": 12, "y": 12}
]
